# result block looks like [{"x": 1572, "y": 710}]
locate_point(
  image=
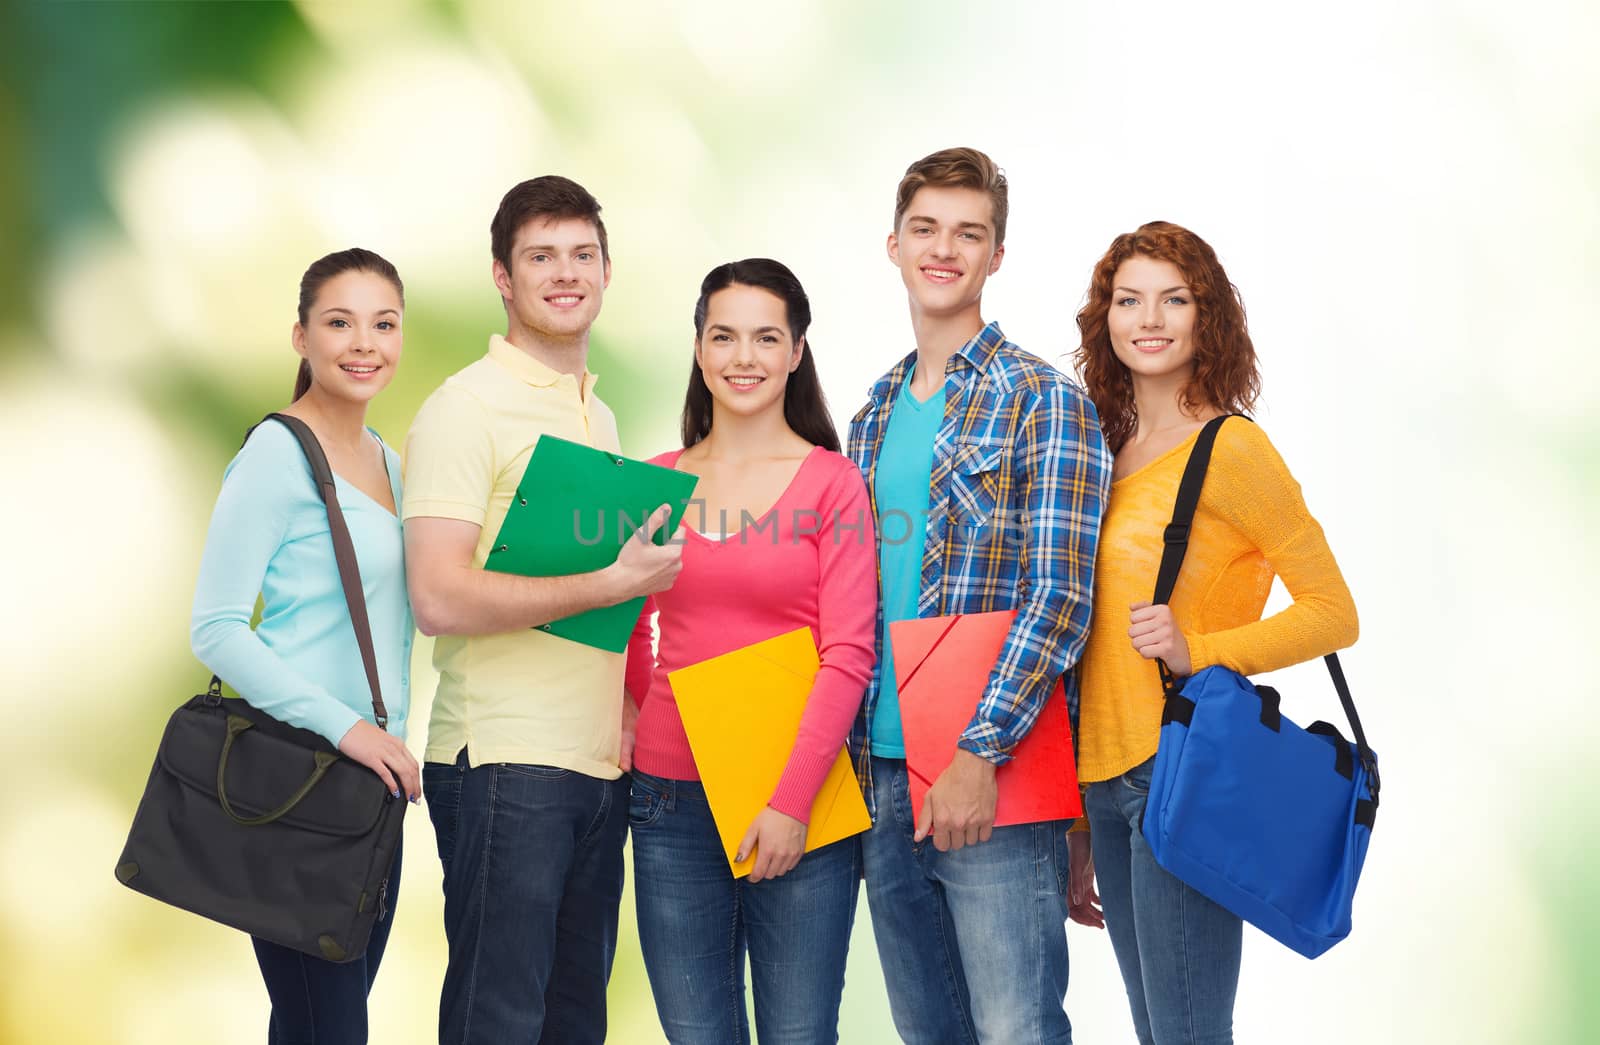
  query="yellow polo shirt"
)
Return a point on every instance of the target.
[{"x": 524, "y": 696}]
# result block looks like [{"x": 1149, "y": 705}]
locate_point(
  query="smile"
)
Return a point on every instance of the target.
[
  {"x": 359, "y": 369},
  {"x": 744, "y": 381},
  {"x": 565, "y": 300},
  {"x": 1152, "y": 344},
  {"x": 940, "y": 275}
]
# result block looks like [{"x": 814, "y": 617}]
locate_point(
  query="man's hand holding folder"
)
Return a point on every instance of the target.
[
  {"x": 574, "y": 516},
  {"x": 959, "y": 808},
  {"x": 942, "y": 666},
  {"x": 644, "y": 567}
]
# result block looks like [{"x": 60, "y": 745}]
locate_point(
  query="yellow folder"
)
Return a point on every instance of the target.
[{"x": 742, "y": 713}]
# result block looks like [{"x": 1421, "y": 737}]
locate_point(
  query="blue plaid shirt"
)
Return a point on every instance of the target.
[{"x": 1020, "y": 480}]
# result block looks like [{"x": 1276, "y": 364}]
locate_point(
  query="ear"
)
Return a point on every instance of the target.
[
  {"x": 502, "y": 279},
  {"x": 893, "y": 247},
  {"x": 994, "y": 262},
  {"x": 698, "y": 361},
  {"x": 605, "y": 281},
  {"x": 297, "y": 338},
  {"x": 797, "y": 355}
]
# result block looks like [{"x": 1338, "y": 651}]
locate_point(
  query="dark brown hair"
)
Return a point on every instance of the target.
[
  {"x": 805, "y": 408},
  {"x": 960, "y": 168},
  {"x": 550, "y": 197},
  {"x": 325, "y": 268},
  {"x": 1225, "y": 373}
]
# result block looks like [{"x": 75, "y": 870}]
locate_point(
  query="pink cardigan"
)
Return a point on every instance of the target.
[{"x": 811, "y": 561}]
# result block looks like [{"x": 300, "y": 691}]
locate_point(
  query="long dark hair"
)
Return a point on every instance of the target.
[
  {"x": 325, "y": 268},
  {"x": 804, "y": 405}
]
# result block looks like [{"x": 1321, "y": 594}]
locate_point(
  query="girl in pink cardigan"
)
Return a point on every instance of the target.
[{"x": 779, "y": 537}]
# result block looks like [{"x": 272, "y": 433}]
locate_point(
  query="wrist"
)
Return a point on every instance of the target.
[
  {"x": 972, "y": 763},
  {"x": 606, "y": 583}
]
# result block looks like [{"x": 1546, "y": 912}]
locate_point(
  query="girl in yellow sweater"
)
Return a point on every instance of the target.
[{"x": 1164, "y": 350}]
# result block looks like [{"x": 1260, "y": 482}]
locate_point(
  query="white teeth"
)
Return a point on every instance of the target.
[
  {"x": 744, "y": 382},
  {"x": 1153, "y": 342},
  {"x": 359, "y": 369},
  {"x": 565, "y": 300}
]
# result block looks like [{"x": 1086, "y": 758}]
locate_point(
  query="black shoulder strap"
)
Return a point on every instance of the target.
[
  {"x": 1176, "y": 536},
  {"x": 1176, "y": 539},
  {"x": 344, "y": 551}
]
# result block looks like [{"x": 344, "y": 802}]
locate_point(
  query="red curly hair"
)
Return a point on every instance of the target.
[{"x": 1225, "y": 375}]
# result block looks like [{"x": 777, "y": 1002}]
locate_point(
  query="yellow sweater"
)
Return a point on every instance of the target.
[{"x": 1251, "y": 522}]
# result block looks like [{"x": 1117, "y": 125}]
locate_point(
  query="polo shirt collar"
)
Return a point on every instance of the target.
[{"x": 528, "y": 369}]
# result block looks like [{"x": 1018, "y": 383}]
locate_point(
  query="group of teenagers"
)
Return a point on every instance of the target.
[{"x": 976, "y": 478}]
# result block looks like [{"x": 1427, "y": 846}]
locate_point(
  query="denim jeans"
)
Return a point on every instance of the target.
[
  {"x": 696, "y": 922},
  {"x": 972, "y": 941},
  {"x": 318, "y": 1002},
  {"x": 1178, "y": 951},
  {"x": 532, "y": 861}
]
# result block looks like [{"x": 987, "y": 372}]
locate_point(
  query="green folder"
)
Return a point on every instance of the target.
[{"x": 572, "y": 511}]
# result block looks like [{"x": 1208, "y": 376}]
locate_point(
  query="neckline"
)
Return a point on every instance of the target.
[
  {"x": 1187, "y": 440},
  {"x": 387, "y": 474},
  {"x": 908, "y": 396},
  {"x": 788, "y": 488}
]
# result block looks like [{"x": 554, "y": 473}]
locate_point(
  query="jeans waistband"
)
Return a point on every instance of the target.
[{"x": 671, "y": 790}]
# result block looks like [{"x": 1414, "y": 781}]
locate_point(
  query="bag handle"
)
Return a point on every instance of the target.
[
  {"x": 344, "y": 553},
  {"x": 321, "y": 760},
  {"x": 1176, "y": 539}
]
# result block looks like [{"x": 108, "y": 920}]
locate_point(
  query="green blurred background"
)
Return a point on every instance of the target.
[{"x": 1406, "y": 195}]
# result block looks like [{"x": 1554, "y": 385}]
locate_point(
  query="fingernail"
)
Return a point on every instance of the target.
[
  {"x": 738, "y": 858},
  {"x": 416, "y": 799},
  {"x": 395, "y": 792}
]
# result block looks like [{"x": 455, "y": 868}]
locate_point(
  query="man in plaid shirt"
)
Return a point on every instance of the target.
[{"x": 988, "y": 476}]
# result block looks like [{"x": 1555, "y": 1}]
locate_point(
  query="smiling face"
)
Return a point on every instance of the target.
[
  {"x": 745, "y": 350},
  {"x": 351, "y": 337},
  {"x": 945, "y": 248},
  {"x": 1152, "y": 318},
  {"x": 557, "y": 278}
]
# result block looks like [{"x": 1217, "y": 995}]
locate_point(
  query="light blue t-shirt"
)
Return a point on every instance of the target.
[
  {"x": 900, "y": 486},
  {"x": 269, "y": 535}
]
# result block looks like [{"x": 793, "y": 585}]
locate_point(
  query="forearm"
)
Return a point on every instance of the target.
[
  {"x": 641, "y": 662},
  {"x": 1045, "y": 641},
  {"x": 460, "y": 599},
  {"x": 830, "y": 711},
  {"x": 269, "y": 682},
  {"x": 1321, "y": 620}
]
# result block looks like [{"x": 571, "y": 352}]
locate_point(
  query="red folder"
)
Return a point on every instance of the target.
[{"x": 941, "y": 666}]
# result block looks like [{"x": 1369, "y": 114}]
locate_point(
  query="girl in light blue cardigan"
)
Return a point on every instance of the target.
[{"x": 269, "y": 535}]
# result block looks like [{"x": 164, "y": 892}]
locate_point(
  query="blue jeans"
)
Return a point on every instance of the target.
[
  {"x": 318, "y": 1002},
  {"x": 973, "y": 942},
  {"x": 1178, "y": 951},
  {"x": 532, "y": 861},
  {"x": 696, "y": 922}
]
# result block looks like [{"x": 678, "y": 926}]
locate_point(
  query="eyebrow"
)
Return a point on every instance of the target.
[
  {"x": 1169, "y": 290},
  {"x": 758, "y": 330},
  {"x": 338, "y": 308},
  {"x": 551, "y": 248},
  {"x": 960, "y": 224}
]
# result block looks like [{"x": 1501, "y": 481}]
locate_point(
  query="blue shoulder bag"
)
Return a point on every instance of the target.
[{"x": 1267, "y": 819}]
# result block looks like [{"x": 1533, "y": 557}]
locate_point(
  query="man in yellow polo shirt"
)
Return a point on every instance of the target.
[{"x": 528, "y": 803}]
